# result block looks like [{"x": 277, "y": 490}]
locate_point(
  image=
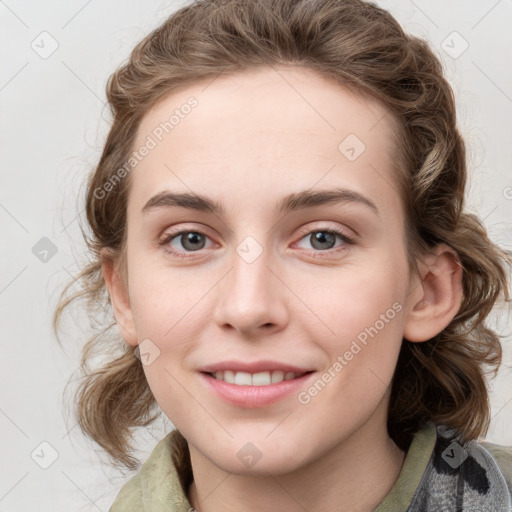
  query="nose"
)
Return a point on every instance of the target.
[{"x": 252, "y": 297}]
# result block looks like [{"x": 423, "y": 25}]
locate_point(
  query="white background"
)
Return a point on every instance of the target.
[{"x": 53, "y": 125}]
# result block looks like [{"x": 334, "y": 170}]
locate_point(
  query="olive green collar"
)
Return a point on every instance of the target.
[{"x": 400, "y": 496}]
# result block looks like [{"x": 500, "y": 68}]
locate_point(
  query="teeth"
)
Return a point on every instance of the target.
[{"x": 255, "y": 379}]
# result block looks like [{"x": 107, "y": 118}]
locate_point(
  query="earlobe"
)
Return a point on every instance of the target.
[
  {"x": 436, "y": 298},
  {"x": 119, "y": 298}
]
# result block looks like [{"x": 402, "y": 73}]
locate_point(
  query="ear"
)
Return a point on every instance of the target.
[
  {"x": 119, "y": 297},
  {"x": 436, "y": 296}
]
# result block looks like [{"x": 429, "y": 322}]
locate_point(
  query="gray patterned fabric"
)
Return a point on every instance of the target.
[{"x": 460, "y": 478}]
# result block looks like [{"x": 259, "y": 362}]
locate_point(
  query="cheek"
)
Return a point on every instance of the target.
[
  {"x": 162, "y": 297},
  {"x": 169, "y": 389},
  {"x": 168, "y": 310},
  {"x": 362, "y": 343},
  {"x": 362, "y": 321},
  {"x": 353, "y": 298}
]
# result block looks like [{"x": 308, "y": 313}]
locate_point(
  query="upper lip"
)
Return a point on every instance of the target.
[{"x": 253, "y": 367}]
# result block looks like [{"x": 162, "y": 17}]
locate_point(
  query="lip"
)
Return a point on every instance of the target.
[
  {"x": 254, "y": 367},
  {"x": 254, "y": 396}
]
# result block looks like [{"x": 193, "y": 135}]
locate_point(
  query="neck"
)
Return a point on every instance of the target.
[{"x": 357, "y": 474}]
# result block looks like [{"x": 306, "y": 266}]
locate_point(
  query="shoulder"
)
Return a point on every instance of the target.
[
  {"x": 157, "y": 486},
  {"x": 478, "y": 474},
  {"x": 465, "y": 476},
  {"x": 503, "y": 457}
]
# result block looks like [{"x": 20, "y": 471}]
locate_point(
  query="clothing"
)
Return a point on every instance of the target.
[{"x": 438, "y": 475}]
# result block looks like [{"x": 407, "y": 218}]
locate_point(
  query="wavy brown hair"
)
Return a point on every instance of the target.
[{"x": 364, "y": 49}]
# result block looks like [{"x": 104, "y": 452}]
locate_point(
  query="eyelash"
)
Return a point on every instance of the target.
[{"x": 315, "y": 253}]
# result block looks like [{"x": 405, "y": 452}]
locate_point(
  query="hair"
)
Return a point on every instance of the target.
[{"x": 363, "y": 49}]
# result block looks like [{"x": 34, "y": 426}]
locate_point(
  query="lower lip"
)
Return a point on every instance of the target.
[{"x": 254, "y": 396}]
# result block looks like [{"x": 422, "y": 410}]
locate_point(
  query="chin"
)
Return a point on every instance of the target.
[{"x": 259, "y": 457}]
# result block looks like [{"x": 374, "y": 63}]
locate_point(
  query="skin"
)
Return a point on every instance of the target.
[{"x": 254, "y": 138}]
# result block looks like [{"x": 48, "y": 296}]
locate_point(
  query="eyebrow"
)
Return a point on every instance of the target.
[{"x": 293, "y": 202}]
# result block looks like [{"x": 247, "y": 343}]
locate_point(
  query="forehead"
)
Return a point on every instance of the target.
[{"x": 268, "y": 127}]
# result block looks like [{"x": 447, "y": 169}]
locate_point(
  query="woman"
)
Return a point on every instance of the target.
[{"x": 323, "y": 346}]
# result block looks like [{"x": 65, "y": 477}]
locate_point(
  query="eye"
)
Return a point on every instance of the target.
[
  {"x": 190, "y": 240},
  {"x": 323, "y": 239}
]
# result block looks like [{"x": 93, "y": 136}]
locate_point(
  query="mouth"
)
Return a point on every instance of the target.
[
  {"x": 266, "y": 378},
  {"x": 254, "y": 390}
]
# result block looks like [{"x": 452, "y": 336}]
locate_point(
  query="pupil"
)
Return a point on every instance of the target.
[
  {"x": 323, "y": 238},
  {"x": 192, "y": 238}
]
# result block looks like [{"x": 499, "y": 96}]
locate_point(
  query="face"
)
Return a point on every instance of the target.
[{"x": 275, "y": 272}]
